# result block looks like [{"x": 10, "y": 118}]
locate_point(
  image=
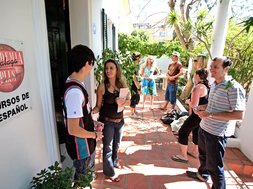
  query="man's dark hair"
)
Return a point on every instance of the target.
[
  {"x": 226, "y": 61},
  {"x": 79, "y": 56}
]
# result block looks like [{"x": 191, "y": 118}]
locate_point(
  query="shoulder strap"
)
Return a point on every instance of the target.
[{"x": 68, "y": 85}]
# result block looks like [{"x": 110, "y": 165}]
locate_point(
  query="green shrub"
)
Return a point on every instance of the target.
[
  {"x": 123, "y": 59},
  {"x": 56, "y": 178}
]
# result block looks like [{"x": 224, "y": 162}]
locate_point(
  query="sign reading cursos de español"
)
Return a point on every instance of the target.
[{"x": 14, "y": 91}]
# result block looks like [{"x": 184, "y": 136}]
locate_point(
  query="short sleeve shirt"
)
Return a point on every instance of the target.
[
  {"x": 74, "y": 101},
  {"x": 174, "y": 69},
  {"x": 223, "y": 97}
]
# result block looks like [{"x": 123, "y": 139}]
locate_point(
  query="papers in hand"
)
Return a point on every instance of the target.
[{"x": 122, "y": 94}]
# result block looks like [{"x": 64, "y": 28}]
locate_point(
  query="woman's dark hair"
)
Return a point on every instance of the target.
[
  {"x": 203, "y": 75},
  {"x": 136, "y": 55},
  {"x": 120, "y": 83},
  {"x": 79, "y": 55}
]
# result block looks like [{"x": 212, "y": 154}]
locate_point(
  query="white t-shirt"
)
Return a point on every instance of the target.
[{"x": 74, "y": 99}]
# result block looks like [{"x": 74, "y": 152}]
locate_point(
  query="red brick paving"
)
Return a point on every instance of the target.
[{"x": 145, "y": 155}]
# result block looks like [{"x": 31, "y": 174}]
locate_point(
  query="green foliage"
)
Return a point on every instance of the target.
[
  {"x": 141, "y": 34},
  {"x": 241, "y": 53},
  {"x": 248, "y": 24},
  {"x": 56, "y": 178},
  {"x": 202, "y": 14},
  {"x": 202, "y": 32},
  {"x": 131, "y": 43},
  {"x": 186, "y": 28},
  {"x": 124, "y": 59},
  {"x": 98, "y": 70},
  {"x": 172, "y": 18}
]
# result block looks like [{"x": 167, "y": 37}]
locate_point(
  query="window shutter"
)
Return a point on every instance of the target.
[
  {"x": 113, "y": 37},
  {"x": 104, "y": 30}
]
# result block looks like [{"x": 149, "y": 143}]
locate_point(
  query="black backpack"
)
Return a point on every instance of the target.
[{"x": 170, "y": 117}]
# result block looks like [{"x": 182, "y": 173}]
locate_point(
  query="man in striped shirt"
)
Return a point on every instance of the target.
[{"x": 226, "y": 102}]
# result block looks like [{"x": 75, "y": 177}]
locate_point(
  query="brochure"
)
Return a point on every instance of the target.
[{"x": 122, "y": 94}]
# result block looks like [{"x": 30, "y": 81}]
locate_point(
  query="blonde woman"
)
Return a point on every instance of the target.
[{"x": 148, "y": 73}]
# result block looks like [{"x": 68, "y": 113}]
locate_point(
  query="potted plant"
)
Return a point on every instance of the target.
[{"x": 56, "y": 178}]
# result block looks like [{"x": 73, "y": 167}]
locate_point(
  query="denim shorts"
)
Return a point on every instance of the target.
[{"x": 171, "y": 93}]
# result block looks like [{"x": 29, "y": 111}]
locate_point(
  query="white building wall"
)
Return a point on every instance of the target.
[
  {"x": 28, "y": 142},
  {"x": 80, "y": 13},
  {"x": 86, "y": 29},
  {"x": 24, "y": 141},
  {"x": 246, "y": 130},
  {"x": 97, "y": 46}
]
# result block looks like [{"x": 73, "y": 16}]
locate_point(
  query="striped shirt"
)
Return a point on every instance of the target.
[{"x": 223, "y": 97}]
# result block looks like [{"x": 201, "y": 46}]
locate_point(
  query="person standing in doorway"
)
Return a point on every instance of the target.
[
  {"x": 107, "y": 104},
  {"x": 175, "y": 69},
  {"x": 81, "y": 135},
  {"x": 135, "y": 87},
  {"x": 226, "y": 102}
]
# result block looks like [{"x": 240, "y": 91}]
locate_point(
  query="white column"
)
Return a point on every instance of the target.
[
  {"x": 220, "y": 27},
  {"x": 44, "y": 75},
  {"x": 219, "y": 31}
]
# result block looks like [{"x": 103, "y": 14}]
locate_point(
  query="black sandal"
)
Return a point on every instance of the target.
[
  {"x": 114, "y": 179},
  {"x": 196, "y": 176}
]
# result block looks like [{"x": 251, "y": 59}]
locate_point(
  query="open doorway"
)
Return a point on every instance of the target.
[{"x": 57, "y": 15}]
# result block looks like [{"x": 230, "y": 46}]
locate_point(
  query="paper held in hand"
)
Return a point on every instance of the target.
[{"x": 122, "y": 94}]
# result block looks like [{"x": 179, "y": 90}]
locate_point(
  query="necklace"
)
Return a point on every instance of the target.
[{"x": 116, "y": 93}]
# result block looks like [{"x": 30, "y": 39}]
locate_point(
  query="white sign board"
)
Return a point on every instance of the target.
[{"x": 14, "y": 91}]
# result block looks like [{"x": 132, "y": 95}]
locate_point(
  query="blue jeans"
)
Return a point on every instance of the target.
[
  {"x": 82, "y": 165},
  {"x": 211, "y": 153},
  {"x": 113, "y": 133},
  {"x": 171, "y": 93}
]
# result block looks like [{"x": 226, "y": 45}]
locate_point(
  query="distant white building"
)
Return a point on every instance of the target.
[{"x": 158, "y": 33}]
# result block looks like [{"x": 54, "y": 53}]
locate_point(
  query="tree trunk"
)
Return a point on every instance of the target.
[
  {"x": 187, "y": 90},
  {"x": 176, "y": 26},
  {"x": 182, "y": 5},
  {"x": 180, "y": 36},
  {"x": 201, "y": 63}
]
